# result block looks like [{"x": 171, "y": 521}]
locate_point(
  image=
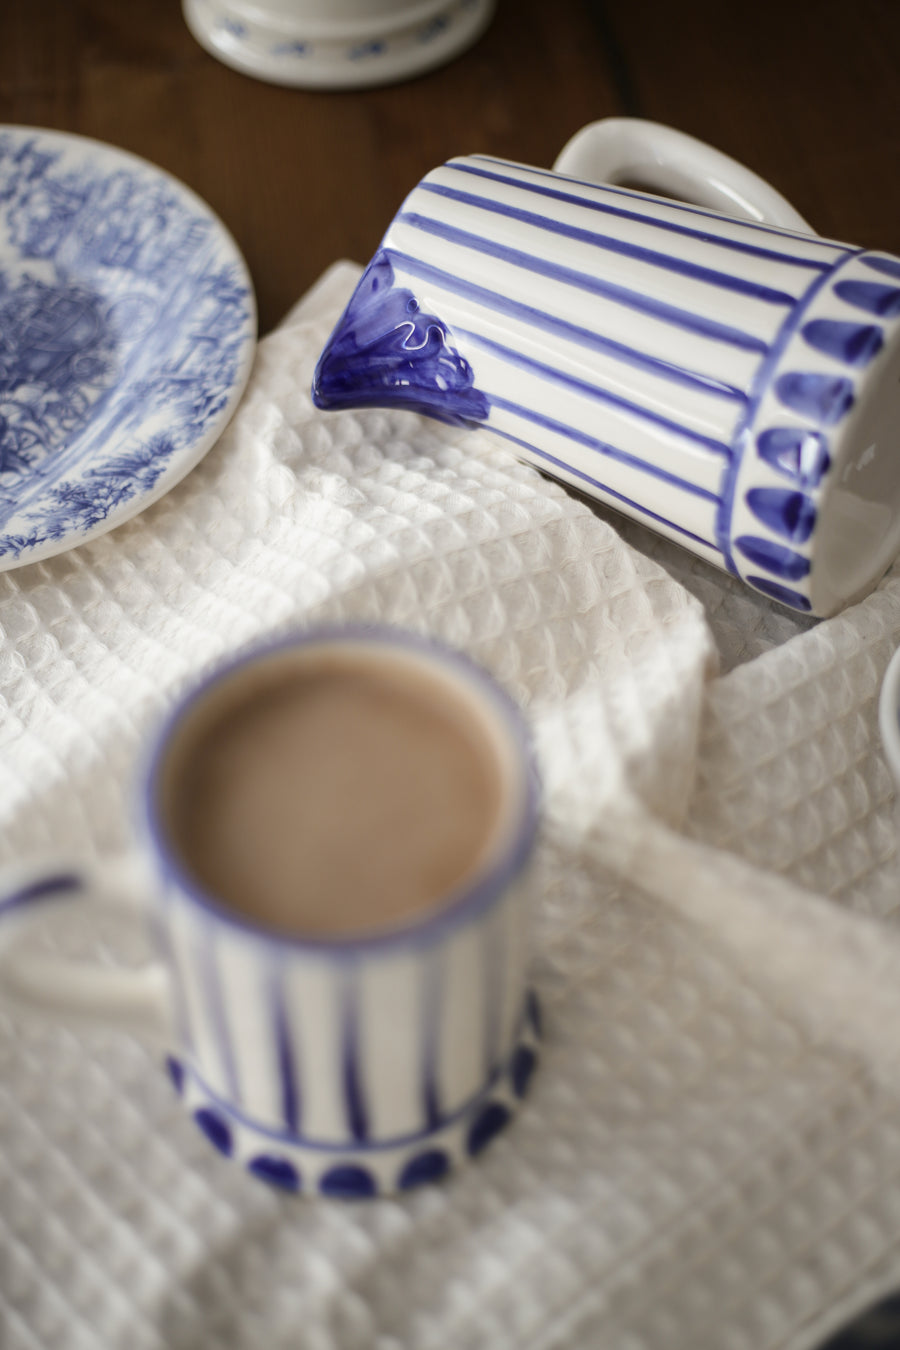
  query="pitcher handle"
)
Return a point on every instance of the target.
[
  {"x": 71, "y": 991},
  {"x": 661, "y": 159}
]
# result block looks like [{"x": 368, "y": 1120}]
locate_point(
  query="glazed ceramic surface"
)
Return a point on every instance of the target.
[
  {"x": 339, "y": 44},
  {"x": 354, "y": 1065},
  {"x": 127, "y": 329},
  {"x": 732, "y": 383}
]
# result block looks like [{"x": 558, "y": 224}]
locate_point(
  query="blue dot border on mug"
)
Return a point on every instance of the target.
[{"x": 359, "y": 1171}]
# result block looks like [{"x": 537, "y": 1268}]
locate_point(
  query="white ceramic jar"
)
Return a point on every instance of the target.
[{"x": 336, "y": 44}]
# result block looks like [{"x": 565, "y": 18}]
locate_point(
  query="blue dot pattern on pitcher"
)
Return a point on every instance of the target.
[
  {"x": 871, "y": 296},
  {"x": 823, "y": 398},
  {"x": 822, "y": 402},
  {"x": 789, "y": 514},
  {"x": 389, "y": 354},
  {"x": 854, "y": 343},
  {"x": 773, "y": 557},
  {"x": 796, "y": 452}
]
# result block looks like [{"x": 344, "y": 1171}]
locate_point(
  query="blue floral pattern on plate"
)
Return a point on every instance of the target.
[{"x": 127, "y": 330}]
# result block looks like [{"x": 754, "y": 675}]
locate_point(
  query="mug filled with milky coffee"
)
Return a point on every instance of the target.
[{"x": 337, "y": 828}]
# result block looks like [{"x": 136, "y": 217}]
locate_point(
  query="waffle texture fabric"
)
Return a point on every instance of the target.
[{"x": 710, "y": 1153}]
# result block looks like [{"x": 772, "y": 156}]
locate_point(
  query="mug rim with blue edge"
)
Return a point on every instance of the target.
[{"x": 462, "y": 903}]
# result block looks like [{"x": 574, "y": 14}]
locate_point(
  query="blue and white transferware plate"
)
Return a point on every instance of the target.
[{"x": 127, "y": 330}]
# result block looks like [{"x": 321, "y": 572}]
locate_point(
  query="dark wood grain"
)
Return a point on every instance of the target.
[{"x": 804, "y": 94}]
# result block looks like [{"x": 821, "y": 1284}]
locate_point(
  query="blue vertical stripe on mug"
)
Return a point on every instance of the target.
[
  {"x": 350, "y": 1047},
  {"x": 732, "y": 385}
]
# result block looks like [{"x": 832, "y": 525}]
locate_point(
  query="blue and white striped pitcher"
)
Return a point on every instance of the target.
[{"x": 732, "y": 383}]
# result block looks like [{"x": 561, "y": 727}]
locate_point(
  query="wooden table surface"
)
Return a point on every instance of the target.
[{"x": 804, "y": 93}]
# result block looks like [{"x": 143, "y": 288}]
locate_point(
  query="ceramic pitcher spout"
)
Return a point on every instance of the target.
[{"x": 386, "y": 352}]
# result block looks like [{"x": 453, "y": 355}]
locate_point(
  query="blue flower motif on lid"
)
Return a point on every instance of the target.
[{"x": 366, "y": 49}]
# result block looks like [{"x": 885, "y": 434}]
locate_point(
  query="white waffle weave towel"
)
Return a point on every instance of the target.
[{"x": 710, "y": 1156}]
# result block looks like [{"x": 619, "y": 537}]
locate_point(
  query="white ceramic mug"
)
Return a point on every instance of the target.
[
  {"x": 732, "y": 381},
  {"x": 336, "y": 44},
  {"x": 350, "y": 1063}
]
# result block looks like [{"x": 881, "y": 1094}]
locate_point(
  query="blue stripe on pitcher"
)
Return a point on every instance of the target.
[
  {"x": 607, "y": 451},
  {"x": 701, "y": 233},
  {"x": 526, "y": 315},
  {"x": 592, "y": 391},
  {"x": 668, "y": 207},
  {"x": 590, "y": 214},
  {"x": 655, "y": 257},
  {"x": 609, "y": 346},
  {"x": 662, "y": 523},
  {"x": 591, "y": 283},
  {"x": 510, "y": 389}
]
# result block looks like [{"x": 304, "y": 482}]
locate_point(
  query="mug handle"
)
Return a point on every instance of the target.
[
  {"x": 659, "y": 158},
  {"x": 137, "y": 1000}
]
